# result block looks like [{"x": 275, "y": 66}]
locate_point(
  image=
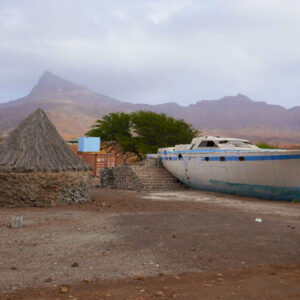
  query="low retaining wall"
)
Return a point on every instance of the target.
[{"x": 44, "y": 188}]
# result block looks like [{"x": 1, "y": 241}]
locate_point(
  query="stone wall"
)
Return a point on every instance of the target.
[
  {"x": 148, "y": 175},
  {"x": 44, "y": 189},
  {"x": 121, "y": 177}
]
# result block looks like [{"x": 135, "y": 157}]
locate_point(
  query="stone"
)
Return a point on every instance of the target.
[
  {"x": 87, "y": 280},
  {"x": 260, "y": 266},
  {"x": 64, "y": 289},
  {"x": 17, "y": 222},
  {"x": 158, "y": 294},
  {"x": 174, "y": 295},
  {"x": 75, "y": 265}
]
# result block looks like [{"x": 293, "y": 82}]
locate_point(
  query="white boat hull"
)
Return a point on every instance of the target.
[{"x": 271, "y": 175}]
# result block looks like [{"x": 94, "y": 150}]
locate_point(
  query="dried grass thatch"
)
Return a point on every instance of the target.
[{"x": 35, "y": 145}]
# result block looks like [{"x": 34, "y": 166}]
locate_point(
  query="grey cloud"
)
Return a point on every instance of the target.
[{"x": 154, "y": 50}]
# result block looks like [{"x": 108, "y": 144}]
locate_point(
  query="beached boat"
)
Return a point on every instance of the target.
[{"x": 235, "y": 166}]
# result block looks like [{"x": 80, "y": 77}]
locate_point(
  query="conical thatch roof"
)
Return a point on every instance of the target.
[{"x": 35, "y": 145}]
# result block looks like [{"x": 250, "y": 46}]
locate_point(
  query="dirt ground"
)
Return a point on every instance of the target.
[{"x": 164, "y": 245}]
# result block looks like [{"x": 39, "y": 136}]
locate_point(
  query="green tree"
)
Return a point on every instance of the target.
[
  {"x": 116, "y": 128},
  {"x": 142, "y": 132},
  {"x": 112, "y": 127},
  {"x": 157, "y": 130}
]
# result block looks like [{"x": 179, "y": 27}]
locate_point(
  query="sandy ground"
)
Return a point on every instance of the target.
[{"x": 130, "y": 245}]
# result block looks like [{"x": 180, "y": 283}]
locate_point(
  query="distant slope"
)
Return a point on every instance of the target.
[
  {"x": 239, "y": 111},
  {"x": 74, "y": 108}
]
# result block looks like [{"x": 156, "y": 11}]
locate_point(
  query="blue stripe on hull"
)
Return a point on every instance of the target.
[
  {"x": 253, "y": 190},
  {"x": 237, "y": 158},
  {"x": 255, "y": 158},
  {"x": 191, "y": 151}
]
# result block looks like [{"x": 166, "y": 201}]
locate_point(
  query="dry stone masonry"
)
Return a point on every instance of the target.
[
  {"x": 147, "y": 176},
  {"x": 44, "y": 189}
]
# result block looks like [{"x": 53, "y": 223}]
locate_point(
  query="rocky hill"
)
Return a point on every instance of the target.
[{"x": 74, "y": 108}]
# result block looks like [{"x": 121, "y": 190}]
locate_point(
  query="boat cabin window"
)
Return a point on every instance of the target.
[
  {"x": 207, "y": 144},
  {"x": 235, "y": 143},
  {"x": 241, "y": 143},
  {"x": 192, "y": 146}
]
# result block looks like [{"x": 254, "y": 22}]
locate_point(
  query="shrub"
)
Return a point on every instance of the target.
[{"x": 264, "y": 145}]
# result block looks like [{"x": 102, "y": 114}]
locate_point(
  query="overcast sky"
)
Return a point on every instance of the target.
[{"x": 154, "y": 51}]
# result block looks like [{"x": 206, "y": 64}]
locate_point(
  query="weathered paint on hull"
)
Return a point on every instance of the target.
[
  {"x": 273, "y": 176},
  {"x": 254, "y": 190}
]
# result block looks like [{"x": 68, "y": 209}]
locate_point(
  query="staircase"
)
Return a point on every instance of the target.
[{"x": 149, "y": 175}]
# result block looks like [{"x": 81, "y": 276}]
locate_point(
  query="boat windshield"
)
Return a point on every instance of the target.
[{"x": 207, "y": 144}]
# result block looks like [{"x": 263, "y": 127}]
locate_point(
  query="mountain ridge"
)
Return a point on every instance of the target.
[{"x": 74, "y": 108}]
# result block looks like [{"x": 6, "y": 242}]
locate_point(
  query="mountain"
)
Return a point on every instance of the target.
[
  {"x": 239, "y": 111},
  {"x": 74, "y": 108}
]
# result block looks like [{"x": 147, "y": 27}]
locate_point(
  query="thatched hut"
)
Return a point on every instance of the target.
[{"x": 37, "y": 168}]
